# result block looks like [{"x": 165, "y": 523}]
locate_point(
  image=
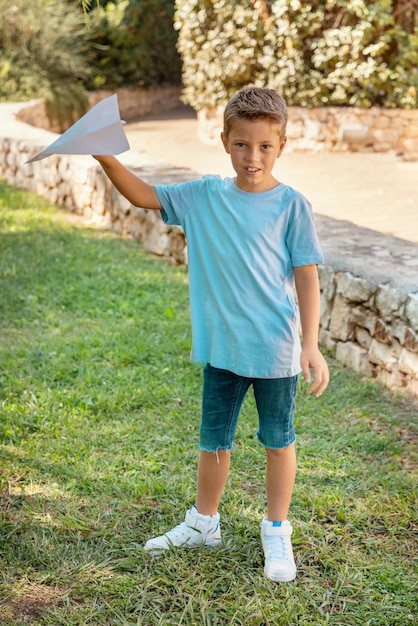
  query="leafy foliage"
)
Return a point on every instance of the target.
[
  {"x": 135, "y": 44},
  {"x": 316, "y": 53},
  {"x": 57, "y": 50},
  {"x": 43, "y": 54}
]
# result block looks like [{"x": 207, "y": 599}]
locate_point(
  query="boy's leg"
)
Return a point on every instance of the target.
[
  {"x": 223, "y": 393},
  {"x": 275, "y": 402},
  {"x": 275, "y": 399},
  {"x": 280, "y": 480},
  {"x": 211, "y": 478},
  {"x": 276, "y": 531},
  {"x": 202, "y": 523}
]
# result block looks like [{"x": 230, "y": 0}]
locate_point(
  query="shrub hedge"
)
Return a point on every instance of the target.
[{"x": 317, "y": 53}]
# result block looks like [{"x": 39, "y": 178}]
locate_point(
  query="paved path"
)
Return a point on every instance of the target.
[{"x": 376, "y": 191}]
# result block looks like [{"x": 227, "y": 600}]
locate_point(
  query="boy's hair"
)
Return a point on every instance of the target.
[{"x": 256, "y": 103}]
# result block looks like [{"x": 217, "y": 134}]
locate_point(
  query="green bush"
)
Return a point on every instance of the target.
[
  {"x": 336, "y": 52},
  {"x": 43, "y": 54},
  {"x": 134, "y": 44}
]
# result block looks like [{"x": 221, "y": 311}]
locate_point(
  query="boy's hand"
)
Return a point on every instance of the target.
[{"x": 313, "y": 359}]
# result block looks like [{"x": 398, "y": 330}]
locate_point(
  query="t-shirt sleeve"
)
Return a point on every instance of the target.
[
  {"x": 178, "y": 199},
  {"x": 302, "y": 240}
]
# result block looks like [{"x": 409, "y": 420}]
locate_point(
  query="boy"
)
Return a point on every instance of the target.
[{"x": 250, "y": 240}]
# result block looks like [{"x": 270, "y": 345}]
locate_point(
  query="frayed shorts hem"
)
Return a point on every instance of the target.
[
  {"x": 278, "y": 447},
  {"x": 215, "y": 450}
]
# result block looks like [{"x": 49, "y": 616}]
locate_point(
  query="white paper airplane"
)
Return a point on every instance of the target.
[{"x": 99, "y": 131}]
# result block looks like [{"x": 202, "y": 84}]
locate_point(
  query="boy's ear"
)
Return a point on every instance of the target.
[
  {"x": 225, "y": 142},
  {"x": 281, "y": 147}
]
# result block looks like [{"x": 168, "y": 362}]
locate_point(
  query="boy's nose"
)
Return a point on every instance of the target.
[{"x": 252, "y": 155}]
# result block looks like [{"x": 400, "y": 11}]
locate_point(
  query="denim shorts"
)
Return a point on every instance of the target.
[{"x": 223, "y": 395}]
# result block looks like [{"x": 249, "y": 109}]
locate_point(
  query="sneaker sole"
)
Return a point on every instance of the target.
[
  {"x": 158, "y": 551},
  {"x": 280, "y": 578}
]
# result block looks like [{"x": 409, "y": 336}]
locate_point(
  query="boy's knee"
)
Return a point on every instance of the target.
[{"x": 280, "y": 452}]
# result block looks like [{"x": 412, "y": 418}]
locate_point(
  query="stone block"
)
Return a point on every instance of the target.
[
  {"x": 54, "y": 195},
  {"x": 177, "y": 246},
  {"x": 382, "y": 121},
  {"x": 407, "y": 144},
  {"x": 392, "y": 379},
  {"x": 313, "y": 129},
  {"x": 294, "y": 129},
  {"x": 327, "y": 281},
  {"x": 325, "y": 311},
  {"x": 389, "y": 302},
  {"x": 399, "y": 330},
  {"x": 364, "y": 317},
  {"x": 363, "y": 338},
  {"x": 11, "y": 160},
  {"x": 341, "y": 323},
  {"x": 79, "y": 169},
  {"x": 63, "y": 167},
  {"x": 326, "y": 341},
  {"x": 69, "y": 203},
  {"x": 411, "y": 131},
  {"x": 410, "y": 156},
  {"x": 98, "y": 203},
  {"x": 411, "y": 310},
  {"x": 411, "y": 340},
  {"x": 99, "y": 182},
  {"x": 411, "y": 385},
  {"x": 21, "y": 180},
  {"x": 133, "y": 227},
  {"x": 82, "y": 196},
  {"x": 353, "y": 356},
  {"x": 121, "y": 206},
  {"x": 353, "y": 289},
  {"x": 382, "y": 355},
  {"x": 384, "y": 137},
  {"x": 21, "y": 159},
  {"x": 408, "y": 363},
  {"x": 382, "y": 332}
]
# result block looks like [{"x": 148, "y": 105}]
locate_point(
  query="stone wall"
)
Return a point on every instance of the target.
[
  {"x": 369, "y": 293},
  {"x": 132, "y": 103},
  {"x": 370, "y": 327},
  {"x": 338, "y": 129}
]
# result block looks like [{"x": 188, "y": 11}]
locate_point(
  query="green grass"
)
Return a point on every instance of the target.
[{"x": 99, "y": 418}]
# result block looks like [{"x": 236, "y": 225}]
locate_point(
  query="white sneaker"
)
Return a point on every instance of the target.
[
  {"x": 196, "y": 530},
  {"x": 279, "y": 562}
]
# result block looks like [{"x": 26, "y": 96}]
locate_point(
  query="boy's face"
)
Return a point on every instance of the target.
[{"x": 254, "y": 147}]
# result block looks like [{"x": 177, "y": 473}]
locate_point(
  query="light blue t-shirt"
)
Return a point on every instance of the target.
[{"x": 242, "y": 248}]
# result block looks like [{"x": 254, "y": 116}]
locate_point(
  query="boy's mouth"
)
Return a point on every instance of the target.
[{"x": 252, "y": 170}]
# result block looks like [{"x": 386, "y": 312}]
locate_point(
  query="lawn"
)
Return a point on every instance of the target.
[{"x": 99, "y": 418}]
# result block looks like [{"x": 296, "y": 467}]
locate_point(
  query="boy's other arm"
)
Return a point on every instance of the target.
[
  {"x": 137, "y": 191},
  {"x": 307, "y": 289}
]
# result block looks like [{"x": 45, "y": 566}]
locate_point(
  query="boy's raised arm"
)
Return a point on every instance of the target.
[{"x": 138, "y": 192}]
